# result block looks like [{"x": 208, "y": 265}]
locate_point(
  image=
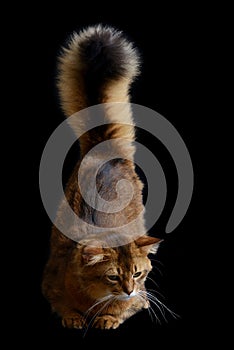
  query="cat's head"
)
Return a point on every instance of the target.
[{"x": 119, "y": 271}]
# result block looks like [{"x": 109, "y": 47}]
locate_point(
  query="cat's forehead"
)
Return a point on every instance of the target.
[{"x": 126, "y": 258}]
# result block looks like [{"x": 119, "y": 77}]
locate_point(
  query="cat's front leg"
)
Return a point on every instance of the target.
[
  {"x": 146, "y": 304},
  {"x": 74, "y": 320},
  {"x": 106, "y": 322}
]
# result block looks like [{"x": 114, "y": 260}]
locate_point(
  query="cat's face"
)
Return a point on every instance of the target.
[
  {"x": 123, "y": 277},
  {"x": 116, "y": 272}
]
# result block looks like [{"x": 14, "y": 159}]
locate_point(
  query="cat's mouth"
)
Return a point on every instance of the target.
[{"x": 126, "y": 296}]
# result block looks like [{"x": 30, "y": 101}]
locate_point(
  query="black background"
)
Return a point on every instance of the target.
[{"x": 174, "y": 44}]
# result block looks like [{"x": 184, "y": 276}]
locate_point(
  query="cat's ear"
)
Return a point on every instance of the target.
[
  {"x": 92, "y": 252},
  {"x": 148, "y": 244}
]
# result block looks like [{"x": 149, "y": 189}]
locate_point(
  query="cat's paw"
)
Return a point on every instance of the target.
[
  {"x": 74, "y": 321},
  {"x": 146, "y": 304},
  {"x": 106, "y": 322}
]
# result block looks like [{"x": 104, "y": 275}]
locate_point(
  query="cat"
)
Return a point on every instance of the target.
[{"x": 89, "y": 281}]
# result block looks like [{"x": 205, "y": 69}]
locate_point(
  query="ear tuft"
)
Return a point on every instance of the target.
[
  {"x": 148, "y": 244},
  {"x": 92, "y": 255},
  {"x": 92, "y": 252}
]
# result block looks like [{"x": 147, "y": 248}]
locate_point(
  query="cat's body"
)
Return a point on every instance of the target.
[{"x": 90, "y": 282}]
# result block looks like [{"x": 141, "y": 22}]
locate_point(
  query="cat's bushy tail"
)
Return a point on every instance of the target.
[{"x": 97, "y": 66}]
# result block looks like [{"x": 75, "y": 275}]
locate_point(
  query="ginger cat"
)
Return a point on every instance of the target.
[{"x": 86, "y": 281}]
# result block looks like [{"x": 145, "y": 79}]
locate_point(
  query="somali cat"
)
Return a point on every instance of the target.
[{"x": 89, "y": 281}]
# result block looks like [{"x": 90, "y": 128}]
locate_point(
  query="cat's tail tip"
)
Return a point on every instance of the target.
[
  {"x": 106, "y": 50},
  {"x": 93, "y": 58}
]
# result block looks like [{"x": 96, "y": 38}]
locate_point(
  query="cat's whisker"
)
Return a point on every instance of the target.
[
  {"x": 154, "y": 290},
  {"x": 157, "y": 261},
  {"x": 107, "y": 297},
  {"x": 158, "y": 303},
  {"x": 158, "y": 269},
  {"x": 108, "y": 300},
  {"x": 150, "y": 309},
  {"x": 166, "y": 307},
  {"x": 98, "y": 302},
  {"x": 158, "y": 306},
  {"x": 99, "y": 311},
  {"x": 151, "y": 279}
]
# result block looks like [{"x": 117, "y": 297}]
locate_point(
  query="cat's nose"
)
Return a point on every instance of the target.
[
  {"x": 129, "y": 292},
  {"x": 128, "y": 287}
]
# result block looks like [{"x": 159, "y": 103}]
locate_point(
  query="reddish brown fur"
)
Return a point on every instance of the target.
[
  {"x": 73, "y": 286},
  {"x": 76, "y": 275}
]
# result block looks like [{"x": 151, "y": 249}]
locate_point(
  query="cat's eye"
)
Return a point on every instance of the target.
[
  {"x": 137, "y": 274},
  {"x": 113, "y": 277}
]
